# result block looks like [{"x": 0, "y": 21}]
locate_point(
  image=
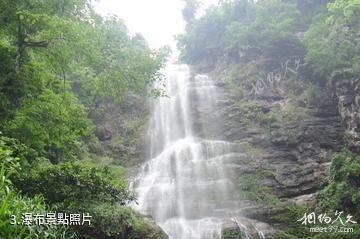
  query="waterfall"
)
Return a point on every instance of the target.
[{"x": 185, "y": 184}]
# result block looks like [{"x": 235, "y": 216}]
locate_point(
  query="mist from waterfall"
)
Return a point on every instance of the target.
[{"x": 185, "y": 184}]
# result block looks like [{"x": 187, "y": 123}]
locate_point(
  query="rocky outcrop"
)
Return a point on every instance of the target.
[
  {"x": 346, "y": 87},
  {"x": 154, "y": 232},
  {"x": 294, "y": 158},
  {"x": 241, "y": 227},
  {"x": 295, "y": 153},
  {"x": 288, "y": 147}
]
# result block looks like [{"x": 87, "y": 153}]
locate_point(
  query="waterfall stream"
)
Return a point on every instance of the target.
[{"x": 185, "y": 184}]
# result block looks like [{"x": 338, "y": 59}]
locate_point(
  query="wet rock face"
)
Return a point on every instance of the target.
[
  {"x": 294, "y": 156},
  {"x": 241, "y": 227},
  {"x": 346, "y": 86},
  {"x": 300, "y": 154}
]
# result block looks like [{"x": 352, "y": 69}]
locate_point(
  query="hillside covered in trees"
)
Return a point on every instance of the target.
[{"x": 59, "y": 61}]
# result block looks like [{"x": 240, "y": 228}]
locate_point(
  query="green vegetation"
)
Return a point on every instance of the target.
[
  {"x": 342, "y": 192},
  {"x": 233, "y": 233},
  {"x": 66, "y": 183},
  {"x": 239, "y": 29},
  {"x": 58, "y": 61},
  {"x": 313, "y": 95},
  {"x": 251, "y": 149},
  {"x": 341, "y": 195},
  {"x": 290, "y": 218},
  {"x": 116, "y": 168},
  {"x": 254, "y": 39},
  {"x": 255, "y": 112},
  {"x": 333, "y": 38},
  {"x": 53, "y": 125},
  {"x": 258, "y": 112},
  {"x": 115, "y": 221},
  {"x": 29, "y": 184},
  {"x": 189, "y": 11},
  {"x": 251, "y": 188},
  {"x": 13, "y": 205},
  {"x": 245, "y": 30},
  {"x": 68, "y": 188}
]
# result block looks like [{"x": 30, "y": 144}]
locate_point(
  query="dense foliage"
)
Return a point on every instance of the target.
[
  {"x": 342, "y": 192},
  {"x": 57, "y": 59},
  {"x": 66, "y": 183},
  {"x": 236, "y": 28},
  {"x": 13, "y": 205},
  {"x": 245, "y": 29},
  {"x": 53, "y": 125},
  {"x": 47, "y": 49},
  {"x": 68, "y": 188},
  {"x": 333, "y": 38}
]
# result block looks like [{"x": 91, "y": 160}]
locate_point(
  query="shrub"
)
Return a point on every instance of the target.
[
  {"x": 13, "y": 206},
  {"x": 67, "y": 182},
  {"x": 251, "y": 188},
  {"x": 116, "y": 221},
  {"x": 313, "y": 95},
  {"x": 51, "y": 124},
  {"x": 342, "y": 192}
]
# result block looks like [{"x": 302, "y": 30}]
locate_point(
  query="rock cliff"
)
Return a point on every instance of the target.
[{"x": 286, "y": 132}]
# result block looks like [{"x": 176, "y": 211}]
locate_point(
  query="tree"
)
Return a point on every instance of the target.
[
  {"x": 189, "y": 10},
  {"x": 52, "y": 124},
  {"x": 233, "y": 27},
  {"x": 332, "y": 38},
  {"x": 50, "y": 47},
  {"x": 54, "y": 53}
]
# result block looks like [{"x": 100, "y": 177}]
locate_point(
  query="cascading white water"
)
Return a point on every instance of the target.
[{"x": 185, "y": 185}]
